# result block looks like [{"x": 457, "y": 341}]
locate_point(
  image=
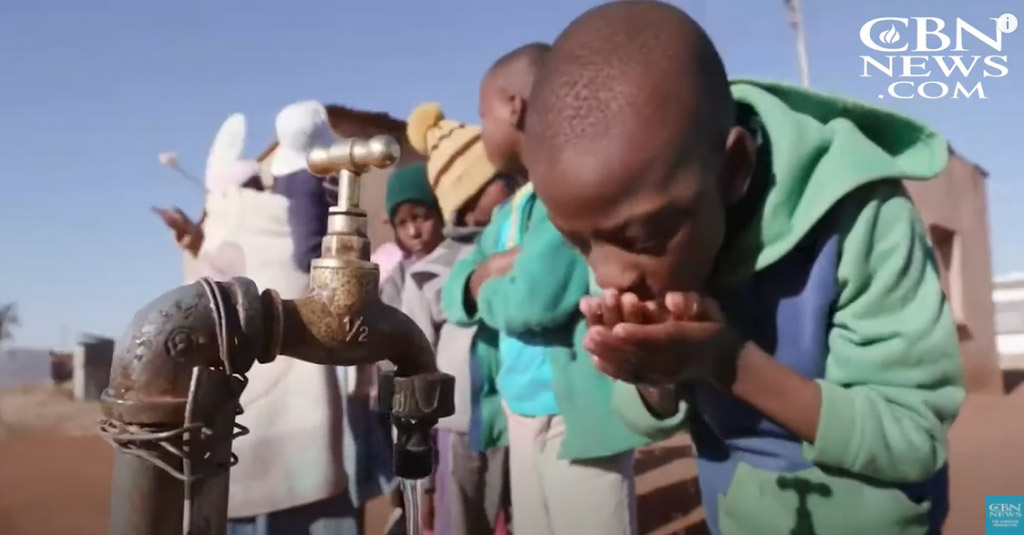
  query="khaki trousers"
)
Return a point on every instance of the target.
[{"x": 552, "y": 496}]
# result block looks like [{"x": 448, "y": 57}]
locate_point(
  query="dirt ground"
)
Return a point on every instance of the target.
[{"x": 55, "y": 474}]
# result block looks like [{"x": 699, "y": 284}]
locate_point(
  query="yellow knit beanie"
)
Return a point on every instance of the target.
[{"x": 457, "y": 165}]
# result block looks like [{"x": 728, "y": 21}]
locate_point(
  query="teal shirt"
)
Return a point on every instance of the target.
[
  {"x": 539, "y": 300},
  {"x": 524, "y": 378}
]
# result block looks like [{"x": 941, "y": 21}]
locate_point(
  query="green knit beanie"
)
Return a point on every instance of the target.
[{"x": 409, "y": 184}]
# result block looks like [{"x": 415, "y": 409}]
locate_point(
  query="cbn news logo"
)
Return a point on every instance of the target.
[
  {"x": 1004, "y": 515},
  {"x": 924, "y": 57}
]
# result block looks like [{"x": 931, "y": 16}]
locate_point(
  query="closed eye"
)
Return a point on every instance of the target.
[{"x": 649, "y": 235}]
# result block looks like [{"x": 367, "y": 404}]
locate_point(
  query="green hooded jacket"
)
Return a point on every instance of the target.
[{"x": 892, "y": 383}]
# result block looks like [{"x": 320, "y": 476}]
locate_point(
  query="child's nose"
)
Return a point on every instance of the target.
[{"x": 612, "y": 273}]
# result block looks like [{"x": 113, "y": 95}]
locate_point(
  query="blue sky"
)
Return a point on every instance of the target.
[{"x": 90, "y": 92}]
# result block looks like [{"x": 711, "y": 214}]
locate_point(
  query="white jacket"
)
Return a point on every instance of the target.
[{"x": 293, "y": 453}]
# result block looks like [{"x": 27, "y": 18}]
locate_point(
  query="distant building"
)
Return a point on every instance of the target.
[
  {"x": 91, "y": 366},
  {"x": 21, "y": 366},
  {"x": 62, "y": 366},
  {"x": 953, "y": 208},
  {"x": 1008, "y": 297}
]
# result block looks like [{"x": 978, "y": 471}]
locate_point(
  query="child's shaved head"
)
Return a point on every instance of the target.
[
  {"x": 504, "y": 94},
  {"x": 516, "y": 70},
  {"x": 630, "y": 139},
  {"x": 627, "y": 55}
]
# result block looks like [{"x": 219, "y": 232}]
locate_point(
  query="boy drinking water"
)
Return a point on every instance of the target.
[
  {"x": 768, "y": 282},
  {"x": 571, "y": 461}
]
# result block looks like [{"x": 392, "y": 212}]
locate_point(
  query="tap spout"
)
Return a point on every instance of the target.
[
  {"x": 314, "y": 331},
  {"x": 342, "y": 322}
]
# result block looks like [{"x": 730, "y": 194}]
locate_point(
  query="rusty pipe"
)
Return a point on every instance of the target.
[
  {"x": 145, "y": 499},
  {"x": 153, "y": 361},
  {"x": 150, "y": 402},
  {"x": 342, "y": 322}
]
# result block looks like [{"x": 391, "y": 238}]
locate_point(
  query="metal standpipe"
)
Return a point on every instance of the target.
[{"x": 179, "y": 369}]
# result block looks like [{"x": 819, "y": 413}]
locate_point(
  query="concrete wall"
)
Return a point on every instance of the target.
[
  {"x": 91, "y": 363},
  {"x": 24, "y": 367},
  {"x": 953, "y": 208}
]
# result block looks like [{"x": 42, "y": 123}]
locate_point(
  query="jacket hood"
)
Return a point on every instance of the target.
[{"x": 823, "y": 147}]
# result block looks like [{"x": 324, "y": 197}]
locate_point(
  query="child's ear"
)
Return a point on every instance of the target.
[
  {"x": 517, "y": 112},
  {"x": 738, "y": 165}
]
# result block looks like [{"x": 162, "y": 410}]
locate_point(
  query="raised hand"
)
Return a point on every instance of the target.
[
  {"x": 498, "y": 265},
  {"x": 188, "y": 235}
]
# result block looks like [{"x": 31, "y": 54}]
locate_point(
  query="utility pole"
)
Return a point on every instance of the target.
[{"x": 796, "y": 21}]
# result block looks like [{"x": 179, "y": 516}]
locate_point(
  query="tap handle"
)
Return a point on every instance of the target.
[{"x": 354, "y": 155}]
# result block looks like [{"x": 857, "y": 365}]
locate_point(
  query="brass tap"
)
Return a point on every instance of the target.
[
  {"x": 342, "y": 321},
  {"x": 354, "y": 156}
]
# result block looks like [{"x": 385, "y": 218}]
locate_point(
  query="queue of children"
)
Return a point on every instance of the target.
[
  {"x": 760, "y": 278},
  {"x": 631, "y": 244}
]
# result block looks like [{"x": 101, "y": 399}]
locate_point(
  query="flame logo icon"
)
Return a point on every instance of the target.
[{"x": 889, "y": 36}]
